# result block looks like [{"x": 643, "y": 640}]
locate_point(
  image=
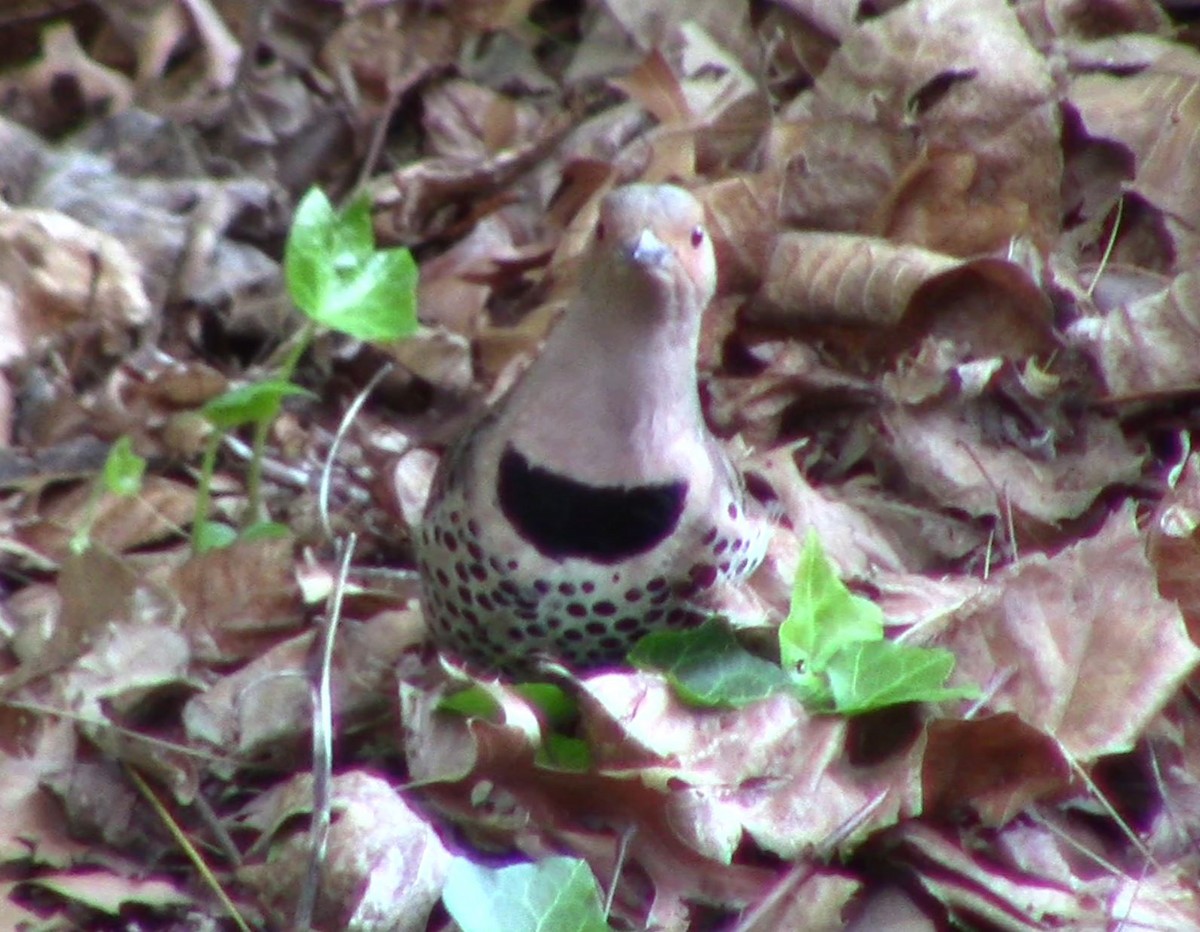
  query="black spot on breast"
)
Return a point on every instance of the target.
[{"x": 564, "y": 518}]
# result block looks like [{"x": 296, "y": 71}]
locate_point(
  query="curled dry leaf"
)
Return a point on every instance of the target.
[
  {"x": 844, "y": 279},
  {"x": 445, "y": 748},
  {"x": 111, "y": 892},
  {"x": 465, "y": 121},
  {"x": 656, "y": 88},
  {"x": 1148, "y": 345},
  {"x": 743, "y": 219},
  {"x": 33, "y": 93},
  {"x": 969, "y": 884},
  {"x": 1153, "y": 114},
  {"x": 984, "y": 306},
  {"x": 412, "y": 203},
  {"x": 265, "y": 704},
  {"x": 411, "y": 480},
  {"x": 998, "y": 766},
  {"x": 158, "y": 33},
  {"x": 385, "y": 51},
  {"x": 852, "y": 540},
  {"x": 60, "y": 278}
]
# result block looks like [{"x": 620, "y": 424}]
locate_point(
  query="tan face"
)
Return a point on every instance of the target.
[{"x": 655, "y": 236}]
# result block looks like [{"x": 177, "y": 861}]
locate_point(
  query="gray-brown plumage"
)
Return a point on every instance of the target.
[{"x": 592, "y": 504}]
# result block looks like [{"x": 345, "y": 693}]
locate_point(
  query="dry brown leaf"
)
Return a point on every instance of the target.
[
  {"x": 835, "y": 18},
  {"x": 411, "y": 479},
  {"x": 384, "y": 866},
  {"x": 1173, "y": 544},
  {"x": 34, "y": 91},
  {"x": 112, "y": 893},
  {"x": 1173, "y": 739},
  {"x": 928, "y": 89},
  {"x": 843, "y": 279},
  {"x": 753, "y": 771},
  {"x": 96, "y": 589},
  {"x": 950, "y": 454},
  {"x": 237, "y": 597},
  {"x": 31, "y": 821},
  {"x": 1148, "y": 345},
  {"x": 433, "y": 196},
  {"x": 265, "y": 705},
  {"x": 176, "y": 231},
  {"x": 1080, "y": 645},
  {"x": 743, "y": 219},
  {"x": 985, "y": 307},
  {"x": 64, "y": 279},
  {"x": 1154, "y": 114},
  {"x": 100, "y": 804},
  {"x": 383, "y": 51},
  {"x": 445, "y": 748},
  {"x": 510, "y": 794},
  {"x": 672, "y": 148},
  {"x": 851, "y": 539},
  {"x": 998, "y": 766},
  {"x": 971, "y": 885},
  {"x": 156, "y": 514}
]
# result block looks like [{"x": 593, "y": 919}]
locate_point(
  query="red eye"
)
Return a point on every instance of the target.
[
  {"x": 697, "y": 237},
  {"x": 599, "y": 230}
]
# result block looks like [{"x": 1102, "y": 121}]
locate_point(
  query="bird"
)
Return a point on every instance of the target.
[{"x": 591, "y": 504}]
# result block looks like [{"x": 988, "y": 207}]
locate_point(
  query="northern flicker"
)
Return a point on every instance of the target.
[{"x": 592, "y": 505}]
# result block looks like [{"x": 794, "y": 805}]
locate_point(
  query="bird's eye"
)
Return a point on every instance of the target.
[
  {"x": 697, "y": 237},
  {"x": 599, "y": 230}
]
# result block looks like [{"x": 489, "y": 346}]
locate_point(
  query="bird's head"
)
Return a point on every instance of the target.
[{"x": 651, "y": 251}]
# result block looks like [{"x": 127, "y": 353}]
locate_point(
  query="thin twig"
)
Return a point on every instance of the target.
[
  {"x": 1112, "y": 242},
  {"x": 188, "y": 848},
  {"x": 331, "y": 456},
  {"x": 322, "y": 745}
]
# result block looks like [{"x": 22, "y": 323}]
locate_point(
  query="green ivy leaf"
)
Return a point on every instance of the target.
[
  {"x": 123, "y": 469},
  {"x": 866, "y": 677},
  {"x": 825, "y": 617},
  {"x": 337, "y": 277},
  {"x": 214, "y": 535},
  {"x": 708, "y": 667},
  {"x": 308, "y": 255},
  {"x": 564, "y": 753},
  {"x": 266, "y": 530},
  {"x": 559, "y": 709},
  {"x": 553, "y": 895},
  {"x": 250, "y": 404},
  {"x": 472, "y": 702}
]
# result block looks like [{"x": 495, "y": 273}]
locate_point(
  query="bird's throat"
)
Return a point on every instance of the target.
[{"x": 610, "y": 411}]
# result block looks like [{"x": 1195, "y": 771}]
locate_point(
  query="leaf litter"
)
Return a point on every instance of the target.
[{"x": 954, "y": 333}]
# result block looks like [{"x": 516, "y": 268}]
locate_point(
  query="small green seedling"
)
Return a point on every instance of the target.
[
  {"x": 339, "y": 280},
  {"x": 122, "y": 476}
]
